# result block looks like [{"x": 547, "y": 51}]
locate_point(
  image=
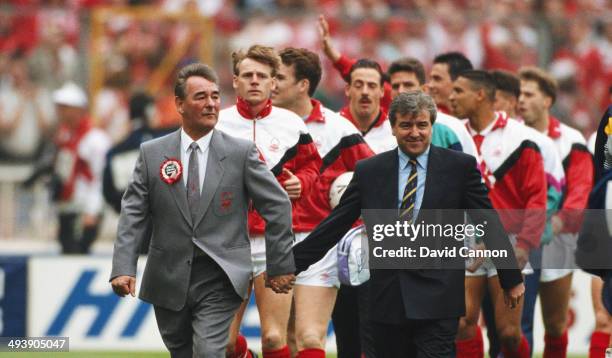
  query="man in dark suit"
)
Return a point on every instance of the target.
[
  {"x": 199, "y": 266},
  {"x": 415, "y": 313}
]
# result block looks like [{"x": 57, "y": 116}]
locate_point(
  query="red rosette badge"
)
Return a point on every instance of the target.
[{"x": 170, "y": 171}]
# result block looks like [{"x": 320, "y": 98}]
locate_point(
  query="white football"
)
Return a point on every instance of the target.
[{"x": 338, "y": 187}]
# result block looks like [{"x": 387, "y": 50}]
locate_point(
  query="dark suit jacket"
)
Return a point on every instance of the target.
[{"x": 453, "y": 182}]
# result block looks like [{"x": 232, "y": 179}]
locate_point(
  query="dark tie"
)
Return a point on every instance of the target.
[
  {"x": 193, "y": 180},
  {"x": 409, "y": 198}
]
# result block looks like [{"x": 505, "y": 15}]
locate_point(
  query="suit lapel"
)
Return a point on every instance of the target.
[
  {"x": 388, "y": 174},
  {"x": 433, "y": 176},
  {"x": 178, "y": 191},
  {"x": 214, "y": 174}
]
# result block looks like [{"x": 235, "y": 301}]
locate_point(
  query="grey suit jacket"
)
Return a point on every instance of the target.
[{"x": 234, "y": 176}]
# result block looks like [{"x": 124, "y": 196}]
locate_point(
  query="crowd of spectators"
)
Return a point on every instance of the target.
[{"x": 44, "y": 44}]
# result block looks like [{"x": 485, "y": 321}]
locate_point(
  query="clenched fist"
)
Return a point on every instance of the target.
[{"x": 123, "y": 285}]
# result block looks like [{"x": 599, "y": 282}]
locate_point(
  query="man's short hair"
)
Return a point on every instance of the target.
[
  {"x": 456, "y": 62},
  {"x": 306, "y": 65},
  {"x": 408, "y": 64},
  {"x": 481, "y": 80},
  {"x": 195, "y": 69},
  {"x": 412, "y": 103},
  {"x": 365, "y": 63},
  {"x": 546, "y": 83},
  {"x": 507, "y": 82},
  {"x": 262, "y": 54}
]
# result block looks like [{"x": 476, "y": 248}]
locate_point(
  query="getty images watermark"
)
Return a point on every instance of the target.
[
  {"x": 404, "y": 230},
  {"x": 453, "y": 239},
  {"x": 448, "y": 239}
]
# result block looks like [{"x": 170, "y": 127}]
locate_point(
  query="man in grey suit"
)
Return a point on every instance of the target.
[{"x": 194, "y": 187}]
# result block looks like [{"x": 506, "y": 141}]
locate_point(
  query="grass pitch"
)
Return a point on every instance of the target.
[{"x": 94, "y": 354}]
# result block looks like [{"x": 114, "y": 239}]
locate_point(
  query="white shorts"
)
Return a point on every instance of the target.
[
  {"x": 549, "y": 275},
  {"x": 488, "y": 268},
  {"x": 258, "y": 255},
  {"x": 558, "y": 257},
  {"x": 323, "y": 273}
]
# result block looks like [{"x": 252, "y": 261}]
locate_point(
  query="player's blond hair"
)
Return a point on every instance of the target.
[{"x": 262, "y": 54}]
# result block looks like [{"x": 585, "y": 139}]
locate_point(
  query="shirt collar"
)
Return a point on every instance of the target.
[
  {"x": 500, "y": 121},
  {"x": 244, "y": 108},
  {"x": 443, "y": 109},
  {"x": 554, "y": 127},
  {"x": 316, "y": 115},
  {"x": 382, "y": 117},
  {"x": 421, "y": 159},
  {"x": 203, "y": 142}
]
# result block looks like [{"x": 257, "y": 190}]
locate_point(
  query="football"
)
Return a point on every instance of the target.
[{"x": 338, "y": 187}]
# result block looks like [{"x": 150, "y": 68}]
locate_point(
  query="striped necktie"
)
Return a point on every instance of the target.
[{"x": 409, "y": 198}]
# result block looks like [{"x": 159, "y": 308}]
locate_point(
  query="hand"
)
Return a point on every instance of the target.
[
  {"x": 122, "y": 285},
  {"x": 326, "y": 42},
  {"x": 292, "y": 186},
  {"x": 512, "y": 297},
  {"x": 281, "y": 283},
  {"x": 556, "y": 224},
  {"x": 522, "y": 257},
  {"x": 477, "y": 262}
]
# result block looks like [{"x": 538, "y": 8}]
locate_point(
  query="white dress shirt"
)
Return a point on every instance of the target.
[{"x": 204, "y": 144}]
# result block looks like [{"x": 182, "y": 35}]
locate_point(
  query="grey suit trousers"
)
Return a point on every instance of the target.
[{"x": 201, "y": 328}]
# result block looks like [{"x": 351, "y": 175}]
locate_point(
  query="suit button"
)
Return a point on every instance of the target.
[{"x": 189, "y": 262}]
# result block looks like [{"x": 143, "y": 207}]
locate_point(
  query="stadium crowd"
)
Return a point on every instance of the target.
[
  {"x": 544, "y": 77},
  {"x": 572, "y": 39}
]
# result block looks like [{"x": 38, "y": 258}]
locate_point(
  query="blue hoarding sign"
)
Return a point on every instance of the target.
[{"x": 13, "y": 288}]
